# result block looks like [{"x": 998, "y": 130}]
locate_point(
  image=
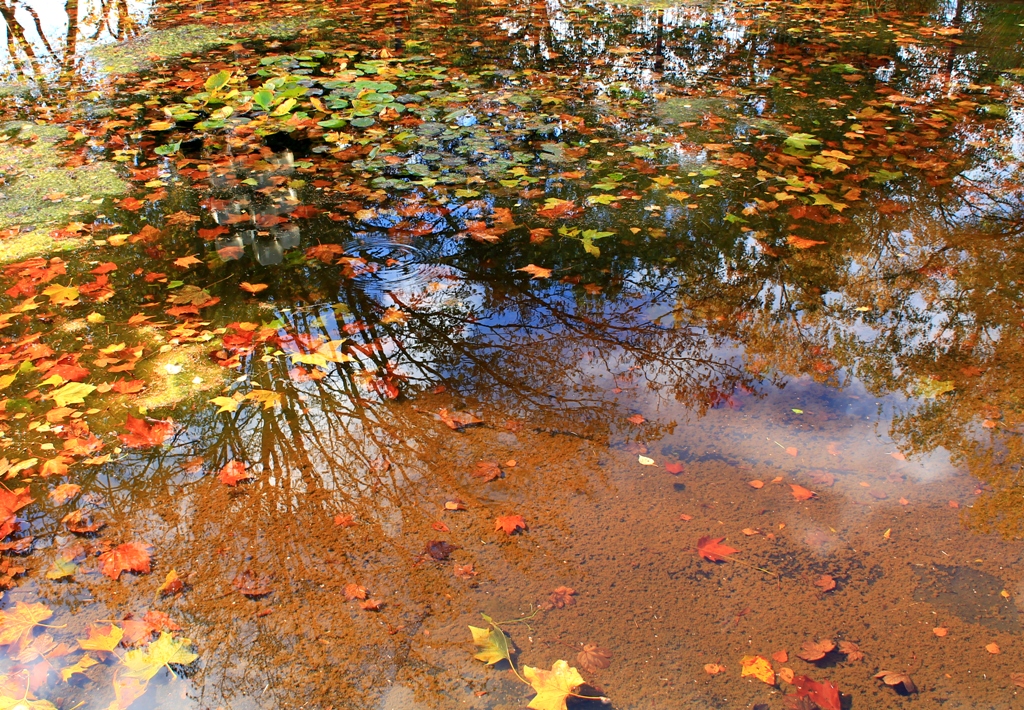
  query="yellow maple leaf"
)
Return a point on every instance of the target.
[
  {"x": 143, "y": 664},
  {"x": 64, "y": 295},
  {"x": 18, "y": 624},
  {"x": 226, "y": 404},
  {"x": 493, "y": 645},
  {"x": 552, "y": 686},
  {"x": 758, "y": 667},
  {"x": 268, "y": 398},
  {"x": 102, "y": 640},
  {"x": 84, "y": 663}
]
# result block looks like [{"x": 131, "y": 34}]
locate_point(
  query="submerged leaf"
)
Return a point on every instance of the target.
[{"x": 713, "y": 550}]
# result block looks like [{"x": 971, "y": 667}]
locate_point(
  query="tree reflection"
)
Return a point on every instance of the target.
[{"x": 44, "y": 39}]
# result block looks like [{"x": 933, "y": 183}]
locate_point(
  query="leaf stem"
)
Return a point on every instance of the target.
[{"x": 508, "y": 657}]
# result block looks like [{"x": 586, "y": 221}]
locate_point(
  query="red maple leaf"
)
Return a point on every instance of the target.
[
  {"x": 233, "y": 472},
  {"x": 712, "y": 549},
  {"x": 142, "y": 434},
  {"x": 510, "y": 523},
  {"x": 10, "y": 503},
  {"x": 13, "y": 501},
  {"x": 129, "y": 557},
  {"x": 826, "y": 694}
]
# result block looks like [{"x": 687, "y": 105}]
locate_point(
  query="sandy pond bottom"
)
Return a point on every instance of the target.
[{"x": 622, "y": 536}]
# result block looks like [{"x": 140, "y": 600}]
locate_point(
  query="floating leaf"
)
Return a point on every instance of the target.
[
  {"x": 510, "y": 523},
  {"x": 143, "y": 664},
  {"x": 232, "y": 473},
  {"x": 17, "y": 624},
  {"x": 537, "y": 272},
  {"x": 897, "y": 678},
  {"x": 816, "y": 650},
  {"x": 102, "y": 639},
  {"x": 825, "y": 694},
  {"x": 143, "y": 435},
  {"x": 129, "y": 557},
  {"x": 758, "y": 667},
  {"x": 552, "y": 687},
  {"x": 492, "y": 644},
  {"x": 84, "y": 663},
  {"x": 72, "y": 393}
]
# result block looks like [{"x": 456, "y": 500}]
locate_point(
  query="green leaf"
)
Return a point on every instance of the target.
[
  {"x": 168, "y": 149},
  {"x": 642, "y": 151},
  {"x": 601, "y": 199},
  {"x": 493, "y": 645},
  {"x": 802, "y": 141},
  {"x": 218, "y": 81},
  {"x": 882, "y": 176},
  {"x": 263, "y": 98}
]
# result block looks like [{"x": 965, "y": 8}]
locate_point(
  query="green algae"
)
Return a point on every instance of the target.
[
  {"x": 680, "y": 110},
  {"x": 177, "y": 375},
  {"x": 174, "y": 42},
  {"x": 32, "y": 166}
]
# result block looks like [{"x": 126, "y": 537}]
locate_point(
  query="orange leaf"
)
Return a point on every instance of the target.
[
  {"x": 129, "y": 557},
  {"x": 510, "y": 523},
  {"x": 714, "y": 668},
  {"x": 252, "y": 288},
  {"x": 825, "y": 583},
  {"x": 64, "y": 492},
  {"x": 354, "y": 591},
  {"x": 232, "y": 473},
  {"x": 143, "y": 435},
  {"x": 801, "y": 493},
  {"x": 537, "y": 272},
  {"x": 187, "y": 261},
  {"x": 713, "y": 550},
  {"x": 781, "y": 656},
  {"x": 801, "y": 243},
  {"x": 755, "y": 483},
  {"x": 674, "y": 468}
]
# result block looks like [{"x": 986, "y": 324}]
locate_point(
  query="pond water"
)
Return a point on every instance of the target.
[{"x": 679, "y": 339}]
